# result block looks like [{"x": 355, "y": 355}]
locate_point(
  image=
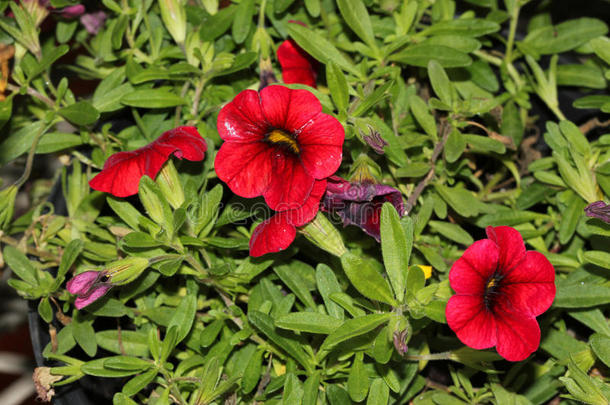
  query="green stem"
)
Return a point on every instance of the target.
[
  {"x": 431, "y": 356},
  {"x": 261, "y": 14},
  {"x": 30, "y": 161},
  {"x": 514, "y": 18}
]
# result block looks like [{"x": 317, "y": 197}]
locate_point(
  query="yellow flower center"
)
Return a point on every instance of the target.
[{"x": 281, "y": 138}]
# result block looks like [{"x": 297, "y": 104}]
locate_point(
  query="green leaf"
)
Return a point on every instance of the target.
[
  {"x": 601, "y": 47},
  {"x": 57, "y": 141},
  {"x": 601, "y": 347},
  {"x": 379, "y": 393},
  {"x": 484, "y": 144},
  {"x": 311, "y": 388},
  {"x": 184, "y": 316},
  {"x": 368, "y": 281},
  {"x": 580, "y": 76},
  {"x": 357, "y": 17},
  {"x": 96, "y": 368},
  {"x": 80, "y": 113},
  {"x": 440, "y": 82},
  {"x": 152, "y": 98},
  {"x": 337, "y": 84},
  {"x": 570, "y": 217},
  {"x": 394, "y": 248},
  {"x": 84, "y": 334},
  {"x": 17, "y": 143},
  {"x": 327, "y": 284},
  {"x": 575, "y": 137},
  {"x": 20, "y": 265},
  {"x": 293, "y": 278},
  {"x": 565, "y": 36},
  {"x": 420, "y": 111},
  {"x": 132, "y": 342},
  {"x": 458, "y": 42},
  {"x": 421, "y": 54},
  {"x": 264, "y": 323},
  {"x": 311, "y": 322},
  {"x": 593, "y": 318},
  {"x": 279, "y": 6},
  {"x": 127, "y": 363},
  {"x": 357, "y": 380},
  {"x": 243, "y": 20},
  {"x": 508, "y": 217},
  {"x": 139, "y": 382},
  {"x": 598, "y": 258},
  {"x": 473, "y": 27},
  {"x": 352, "y": 328},
  {"x": 451, "y": 231},
  {"x": 581, "y": 295},
  {"x": 593, "y": 101},
  {"x": 45, "y": 310},
  {"x": 320, "y": 48}
]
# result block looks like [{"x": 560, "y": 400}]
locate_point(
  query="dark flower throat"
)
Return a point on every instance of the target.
[{"x": 283, "y": 140}]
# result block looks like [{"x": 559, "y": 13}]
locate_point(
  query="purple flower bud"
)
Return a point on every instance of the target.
[
  {"x": 375, "y": 141},
  {"x": 400, "y": 342},
  {"x": 600, "y": 210},
  {"x": 360, "y": 203},
  {"x": 71, "y": 11},
  {"x": 93, "y": 22},
  {"x": 88, "y": 286}
]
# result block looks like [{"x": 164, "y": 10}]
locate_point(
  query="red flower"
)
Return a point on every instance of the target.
[
  {"x": 500, "y": 289},
  {"x": 277, "y": 143},
  {"x": 297, "y": 65},
  {"x": 123, "y": 170},
  {"x": 278, "y": 232}
]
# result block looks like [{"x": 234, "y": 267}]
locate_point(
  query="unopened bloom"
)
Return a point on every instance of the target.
[
  {"x": 500, "y": 290},
  {"x": 122, "y": 171},
  {"x": 359, "y": 203},
  {"x": 277, "y": 143},
  {"x": 599, "y": 210}
]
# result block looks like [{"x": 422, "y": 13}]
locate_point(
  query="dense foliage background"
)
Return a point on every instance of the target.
[{"x": 494, "y": 113}]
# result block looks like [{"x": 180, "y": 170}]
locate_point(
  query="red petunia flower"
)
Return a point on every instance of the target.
[
  {"x": 500, "y": 289},
  {"x": 278, "y": 232},
  {"x": 123, "y": 170},
  {"x": 360, "y": 203},
  {"x": 297, "y": 65},
  {"x": 277, "y": 143}
]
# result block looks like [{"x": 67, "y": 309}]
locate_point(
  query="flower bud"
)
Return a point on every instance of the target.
[
  {"x": 125, "y": 270},
  {"x": 174, "y": 18},
  {"x": 322, "y": 233},
  {"x": 170, "y": 185}
]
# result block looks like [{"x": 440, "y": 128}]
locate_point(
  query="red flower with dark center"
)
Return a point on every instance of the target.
[
  {"x": 277, "y": 143},
  {"x": 500, "y": 289},
  {"x": 297, "y": 65},
  {"x": 123, "y": 170},
  {"x": 360, "y": 203},
  {"x": 278, "y": 232}
]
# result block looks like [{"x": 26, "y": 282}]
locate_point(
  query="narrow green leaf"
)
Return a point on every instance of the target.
[
  {"x": 312, "y": 322},
  {"x": 337, "y": 84},
  {"x": 152, "y": 98},
  {"x": 294, "y": 280},
  {"x": 473, "y": 27},
  {"x": 420, "y": 111},
  {"x": 184, "y": 316},
  {"x": 421, "y": 54},
  {"x": 394, "y": 248},
  {"x": 352, "y": 328},
  {"x": 581, "y": 295},
  {"x": 357, "y": 380},
  {"x": 571, "y": 217},
  {"x": 368, "y": 281},
  {"x": 601, "y": 347},
  {"x": 452, "y": 231},
  {"x": 17, "y": 143},
  {"x": 327, "y": 284},
  {"x": 20, "y": 265},
  {"x": 80, "y": 113},
  {"x": 357, "y": 17},
  {"x": 598, "y": 258},
  {"x": 379, "y": 393},
  {"x": 440, "y": 82},
  {"x": 243, "y": 20},
  {"x": 565, "y": 36}
]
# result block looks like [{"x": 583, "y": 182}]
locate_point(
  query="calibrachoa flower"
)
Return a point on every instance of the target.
[
  {"x": 599, "y": 210},
  {"x": 297, "y": 65},
  {"x": 278, "y": 232},
  {"x": 93, "y": 22},
  {"x": 278, "y": 142},
  {"x": 500, "y": 290},
  {"x": 88, "y": 286},
  {"x": 360, "y": 203},
  {"x": 123, "y": 170}
]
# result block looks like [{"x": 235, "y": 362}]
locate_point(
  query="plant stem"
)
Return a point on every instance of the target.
[
  {"x": 431, "y": 356},
  {"x": 33, "y": 93},
  {"x": 445, "y": 131},
  {"x": 30, "y": 160},
  {"x": 514, "y": 18}
]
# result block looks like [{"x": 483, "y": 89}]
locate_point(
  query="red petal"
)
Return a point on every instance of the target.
[
  {"x": 245, "y": 167},
  {"x": 518, "y": 335},
  {"x": 297, "y": 65},
  {"x": 290, "y": 184},
  {"x": 272, "y": 235},
  {"x": 510, "y": 243},
  {"x": 310, "y": 208},
  {"x": 288, "y": 109},
  {"x": 123, "y": 170},
  {"x": 530, "y": 287},
  {"x": 242, "y": 119},
  {"x": 470, "y": 272},
  {"x": 473, "y": 324},
  {"x": 321, "y": 144},
  {"x": 299, "y": 75}
]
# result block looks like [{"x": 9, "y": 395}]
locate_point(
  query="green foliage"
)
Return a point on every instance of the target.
[{"x": 449, "y": 86}]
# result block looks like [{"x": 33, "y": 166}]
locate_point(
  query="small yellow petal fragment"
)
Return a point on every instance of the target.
[{"x": 427, "y": 270}]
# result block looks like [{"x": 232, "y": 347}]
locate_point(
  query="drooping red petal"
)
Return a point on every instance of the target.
[
  {"x": 309, "y": 209},
  {"x": 288, "y": 109},
  {"x": 518, "y": 335},
  {"x": 321, "y": 144},
  {"x": 273, "y": 235},
  {"x": 510, "y": 243},
  {"x": 122, "y": 171},
  {"x": 242, "y": 119},
  {"x": 247, "y": 168},
  {"x": 530, "y": 287},
  {"x": 290, "y": 184},
  {"x": 473, "y": 324},
  {"x": 470, "y": 272},
  {"x": 297, "y": 65}
]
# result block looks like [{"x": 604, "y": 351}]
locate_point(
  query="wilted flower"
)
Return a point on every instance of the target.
[
  {"x": 375, "y": 141},
  {"x": 122, "y": 171},
  {"x": 500, "y": 290},
  {"x": 359, "y": 203},
  {"x": 93, "y": 22},
  {"x": 88, "y": 286},
  {"x": 599, "y": 210}
]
